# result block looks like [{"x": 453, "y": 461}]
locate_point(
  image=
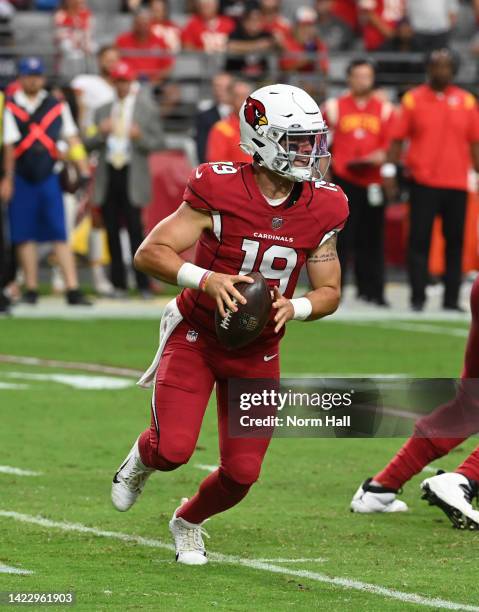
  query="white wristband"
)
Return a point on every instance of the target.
[
  {"x": 388, "y": 171},
  {"x": 190, "y": 276},
  {"x": 302, "y": 308}
]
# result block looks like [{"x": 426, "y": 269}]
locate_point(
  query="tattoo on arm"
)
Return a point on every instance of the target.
[{"x": 326, "y": 253}]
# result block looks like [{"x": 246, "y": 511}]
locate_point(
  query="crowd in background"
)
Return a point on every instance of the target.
[{"x": 105, "y": 85}]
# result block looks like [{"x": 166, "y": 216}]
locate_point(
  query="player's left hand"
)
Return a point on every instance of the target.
[{"x": 285, "y": 310}]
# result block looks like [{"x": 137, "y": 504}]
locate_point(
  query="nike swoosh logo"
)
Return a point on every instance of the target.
[
  {"x": 270, "y": 357},
  {"x": 198, "y": 173}
]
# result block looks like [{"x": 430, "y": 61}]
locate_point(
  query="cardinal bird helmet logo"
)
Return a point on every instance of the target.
[{"x": 255, "y": 113}]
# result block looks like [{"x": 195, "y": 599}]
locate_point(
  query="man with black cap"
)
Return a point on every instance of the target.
[{"x": 35, "y": 121}]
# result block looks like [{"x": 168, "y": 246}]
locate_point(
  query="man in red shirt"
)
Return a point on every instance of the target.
[
  {"x": 359, "y": 122},
  {"x": 273, "y": 21},
  {"x": 441, "y": 123},
  {"x": 73, "y": 36},
  {"x": 225, "y": 135},
  {"x": 380, "y": 19},
  {"x": 141, "y": 39},
  {"x": 162, "y": 26},
  {"x": 207, "y": 30},
  {"x": 303, "y": 43}
]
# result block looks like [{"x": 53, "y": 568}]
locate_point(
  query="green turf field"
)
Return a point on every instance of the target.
[{"x": 285, "y": 544}]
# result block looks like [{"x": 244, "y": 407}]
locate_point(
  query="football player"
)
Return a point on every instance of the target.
[
  {"x": 271, "y": 216},
  {"x": 451, "y": 492}
]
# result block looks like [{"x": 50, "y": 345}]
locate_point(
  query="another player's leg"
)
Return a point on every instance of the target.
[
  {"x": 378, "y": 494},
  {"x": 454, "y": 492},
  {"x": 182, "y": 389}
]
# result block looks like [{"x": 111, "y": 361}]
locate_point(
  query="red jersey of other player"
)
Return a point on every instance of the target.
[
  {"x": 207, "y": 30},
  {"x": 271, "y": 216},
  {"x": 381, "y": 18},
  {"x": 162, "y": 26}
]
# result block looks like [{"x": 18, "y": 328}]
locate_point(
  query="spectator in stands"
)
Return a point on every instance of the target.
[
  {"x": 35, "y": 121},
  {"x": 305, "y": 51},
  {"x": 232, "y": 8},
  {"x": 22, "y": 5},
  {"x": 132, "y": 6},
  {"x": 156, "y": 62},
  {"x": 73, "y": 33},
  {"x": 440, "y": 122},
  {"x": 224, "y": 138},
  {"x": 360, "y": 122},
  {"x": 125, "y": 132},
  {"x": 273, "y": 21},
  {"x": 6, "y": 191},
  {"x": 336, "y": 34},
  {"x": 380, "y": 19},
  {"x": 347, "y": 11},
  {"x": 216, "y": 110},
  {"x": 401, "y": 72},
  {"x": 250, "y": 45},
  {"x": 432, "y": 22},
  {"x": 207, "y": 30},
  {"x": 163, "y": 27},
  {"x": 8, "y": 67}
]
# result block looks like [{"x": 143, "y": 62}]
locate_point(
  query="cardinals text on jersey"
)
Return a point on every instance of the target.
[{"x": 250, "y": 235}]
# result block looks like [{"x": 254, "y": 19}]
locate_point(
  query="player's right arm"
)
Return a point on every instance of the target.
[{"x": 159, "y": 256}]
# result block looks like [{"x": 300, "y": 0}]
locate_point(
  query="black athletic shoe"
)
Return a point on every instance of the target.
[
  {"x": 30, "y": 297},
  {"x": 4, "y": 304},
  {"x": 454, "y": 308},
  {"x": 417, "y": 306},
  {"x": 75, "y": 297}
]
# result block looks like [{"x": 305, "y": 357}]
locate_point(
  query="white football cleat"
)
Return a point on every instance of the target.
[
  {"x": 453, "y": 494},
  {"x": 375, "y": 498},
  {"x": 188, "y": 537},
  {"x": 129, "y": 480}
]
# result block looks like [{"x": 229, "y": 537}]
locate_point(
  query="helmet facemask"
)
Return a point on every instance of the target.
[{"x": 302, "y": 155}]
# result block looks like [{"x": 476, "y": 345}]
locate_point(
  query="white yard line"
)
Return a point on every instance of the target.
[
  {"x": 70, "y": 365},
  {"x": 6, "y": 569},
  {"x": 255, "y": 564},
  {"x": 300, "y": 560},
  {"x": 206, "y": 468},
  {"x": 8, "y": 469},
  {"x": 415, "y": 327},
  {"x": 13, "y": 387}
]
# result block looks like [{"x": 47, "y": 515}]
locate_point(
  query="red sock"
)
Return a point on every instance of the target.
[
  {"x": 412, "y": 458},
  {"x": 216, "y": 494},
  {"x": 470, "y": 467}
]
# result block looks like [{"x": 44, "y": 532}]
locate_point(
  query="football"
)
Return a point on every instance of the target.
[{"x": 240, "y": 328}]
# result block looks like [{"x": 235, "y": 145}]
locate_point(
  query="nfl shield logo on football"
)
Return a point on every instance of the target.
[
  {"x": 192, "y": 335},
  {"x": 277, "y": 223}
]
